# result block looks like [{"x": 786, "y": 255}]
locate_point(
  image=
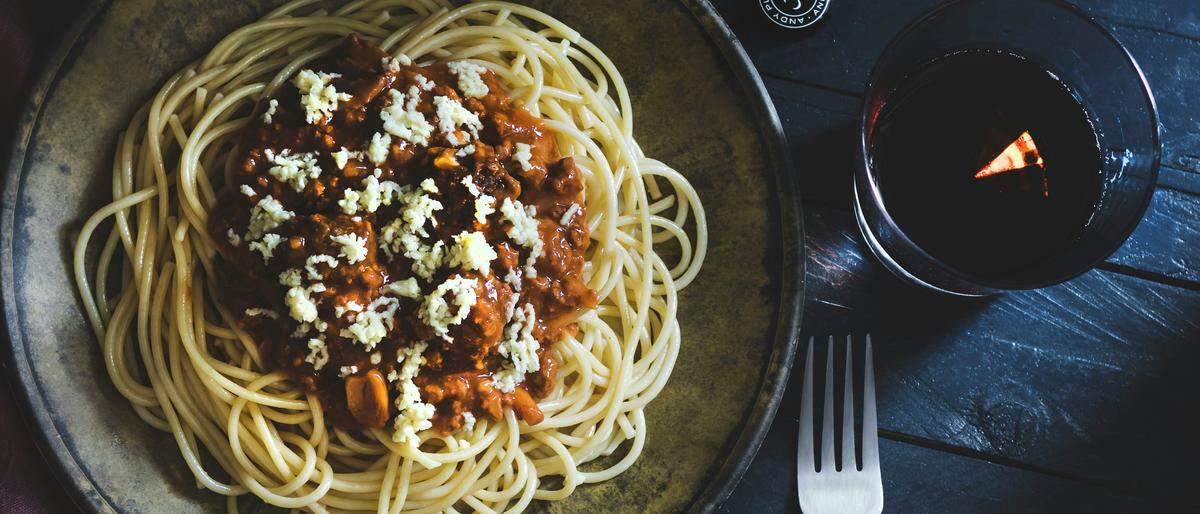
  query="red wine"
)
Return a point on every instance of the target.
[{"x": 987, "y": 162}]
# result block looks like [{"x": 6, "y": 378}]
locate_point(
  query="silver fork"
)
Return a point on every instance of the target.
[{"x": 850, "y": 490}]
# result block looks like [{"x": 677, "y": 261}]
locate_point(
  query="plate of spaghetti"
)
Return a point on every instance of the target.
[{"x": 400, "y": 256}]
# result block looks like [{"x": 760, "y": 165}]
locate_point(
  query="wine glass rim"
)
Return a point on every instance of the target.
[{"x": 983, "y": 282}]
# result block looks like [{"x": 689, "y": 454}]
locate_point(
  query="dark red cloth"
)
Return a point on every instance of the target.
[{"x": 29, "y": 32}]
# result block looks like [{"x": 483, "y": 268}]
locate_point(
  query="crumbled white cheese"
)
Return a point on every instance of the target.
[
  {"x": 524, "y": 231},
  {"x": 426, "y": 259},
  {"x": 310, "y": 265},
  {"x": 259, "y": 311},
  {"x": 350, "y": 306},
  {"x": 271, "y": 106},
  {"x": 409, "y": 398},
  {"x": 394, "y": 63},
  {"x": 519, "y": 344},
  {"x": 294, "y": 170},
  {"x": 414, "y": 418},
  {"x": 373, "y": 194},
  {"x": 267, "y": 214},
  {"x": 343, "y": 156},
  {"x": 416, "y": 209},
  {"x": 520, "y": 348},
  {"x": 317, "y": 95},
  {"x": 303, "y": 329},
  {"x": 377, "y": 149},
  {"x": 388, "y": 314},
  {"x": 530, "y": 268},
  {"x": 485, "y": 205},
  {"x": 247, "y": 190},
  {"x": 470, "y": 82},
  {"x": 301, "y": 304},
  {"x": 506, "y": 379},
  {"x": 523, "y": 154},
  {"x": 407, "y": 288},
  {"x": 468, "y": 421},
  {"x": 571, "y": 212},
  {"x": 290, "y": 278},
  {"x": 510, "y": 310},
  {"x": 368, "y": 329},
  {"x": 349, "y": 201},
  {"x": 233, "y": 238},
  {"x": 403, "y": 120},
  {"x": 419, "y": 209},
  {"x": 401, "y": 235},
  {"x": 266, "y": 246},
  {"x": 318, "y": 353},
  {"x": 469, "y": 182},
  {"x": 376, "y": 358},
  {"x": 346, "y": 371},
  {"x": 371, "y": 324},
  {"x": 429, "y": 186},
  {"x": 513, "y": 278},
  {"x": 438, "y": 313},
  {"x": 465, "y": 151},
  {"x": 452, "y": 115},
  {"x": 354, "y": 247},
  {"x": 414, "y": 415},
  {"x": 410, "y": 359},
  {"x": 472, "y": 251},
  {"x": 424, "y": 83}
]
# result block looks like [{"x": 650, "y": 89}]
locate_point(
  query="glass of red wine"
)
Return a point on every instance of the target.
[{"x": 1005, "y": 144}]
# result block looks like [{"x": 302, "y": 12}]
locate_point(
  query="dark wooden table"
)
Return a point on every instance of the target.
[{"x": 1074, "y": 398}]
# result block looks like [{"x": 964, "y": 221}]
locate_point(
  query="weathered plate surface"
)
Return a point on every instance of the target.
[{"x": 699, "y": 107}]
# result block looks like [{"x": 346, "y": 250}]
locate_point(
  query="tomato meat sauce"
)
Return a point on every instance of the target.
[{"x": 300, "y": 310}]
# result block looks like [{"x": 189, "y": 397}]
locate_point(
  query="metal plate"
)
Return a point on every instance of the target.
[{"x": 699, "y": 106}]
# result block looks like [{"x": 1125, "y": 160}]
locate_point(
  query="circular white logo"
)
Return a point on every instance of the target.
[{"x": 794, "y": 14}]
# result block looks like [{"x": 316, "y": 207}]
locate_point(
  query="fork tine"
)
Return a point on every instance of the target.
[
  {"x": 870, "y": 443},
  {"x": 827, "y": 455},
  {"x": 848, "y": 412},
  {"x": 805, "y": 458}
]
